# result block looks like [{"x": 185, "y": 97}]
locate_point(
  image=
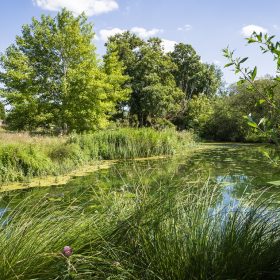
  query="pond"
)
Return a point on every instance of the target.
[{"x": 237, "y": 170}]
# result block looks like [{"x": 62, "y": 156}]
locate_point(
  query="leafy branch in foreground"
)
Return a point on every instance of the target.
[{"x": 269, "y": 124}]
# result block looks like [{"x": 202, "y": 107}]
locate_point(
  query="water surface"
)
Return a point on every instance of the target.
[{"x": 236, "y": 169}]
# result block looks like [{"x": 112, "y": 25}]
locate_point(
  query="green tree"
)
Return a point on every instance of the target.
[
  {"x": 51, "y": 76},
  {"x": 154, "y": 95},
  {"x": 117, "y": 81},
  {"x": 199, "y": 112},
  {"x": 193, "y": 76}
]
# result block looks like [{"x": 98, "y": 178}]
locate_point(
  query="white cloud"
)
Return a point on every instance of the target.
[
  {"x": 217, "y": 62},
  {"x": 249, "y": 29},
  {"x": 145, "y": 33},
  {"x": 90, "y": 7},
  {"x": 168, "y": 45},
  {"x": 104, "y": 34},
  {"x": 186, "y": 27},
  {"x": 276, "y": 27}
]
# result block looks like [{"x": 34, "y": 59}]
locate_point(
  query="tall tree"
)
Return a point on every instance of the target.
[
  {"x": 154, "y": 92},
  {"x": 117, "y": 86},
  {"x": 51, "y": 76},
  {"x": 193, "y": 76}
]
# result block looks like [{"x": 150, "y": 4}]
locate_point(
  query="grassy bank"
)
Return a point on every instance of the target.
[
  {"x": 23, "y": 156},
  {"x": 173, "y": 231}
]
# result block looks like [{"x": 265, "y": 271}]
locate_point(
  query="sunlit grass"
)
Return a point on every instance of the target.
[
  {"x": 23, "y": 156},
  {"x": 173, "y": 231}
]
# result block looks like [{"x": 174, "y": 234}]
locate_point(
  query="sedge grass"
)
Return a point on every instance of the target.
[{"x": 160, "y": 231}]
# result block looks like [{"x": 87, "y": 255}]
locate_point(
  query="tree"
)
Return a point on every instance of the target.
[
  {"x": 154, "y": 95},
  {"x": 199, "y": 111},
  {"x": 52, "y": 78},
  {"x": 116, "y": 80},
  {"x": 125, "y": 45},
  {"x": 193, "y": 76}
]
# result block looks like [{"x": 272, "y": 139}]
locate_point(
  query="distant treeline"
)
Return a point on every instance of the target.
[{"x": 53, "y": 82}]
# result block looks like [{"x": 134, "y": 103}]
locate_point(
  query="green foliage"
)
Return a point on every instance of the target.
[
  {"x": 114, "y": 69},
  {"x": 222, "y": 118},
  {"x": 193, "y": 76},
  {"x": 52, "y": 77},
  {"x": 269, "y": 123},
  {"x": 22, "y": 159},
  {"x": 154, "y": 92},
  {"x": 53, "y": 81},
  {"x": 199, "y": 112},
  {"x": 154, "y": 230},
  {"x": 227, "y": 122},
  {"x": 2, "y": 111}
]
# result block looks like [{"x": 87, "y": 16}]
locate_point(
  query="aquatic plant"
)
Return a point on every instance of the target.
[
  {"x": 168, "y": 231},
  {"x": 23, "y": 157}
]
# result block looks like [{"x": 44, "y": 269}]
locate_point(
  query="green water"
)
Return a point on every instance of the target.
[{"x": 238, "y": 170}]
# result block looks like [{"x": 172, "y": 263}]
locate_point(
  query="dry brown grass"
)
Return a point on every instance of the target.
[{"x": 26, "y": 138}]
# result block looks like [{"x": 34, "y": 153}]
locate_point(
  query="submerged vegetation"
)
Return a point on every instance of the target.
[{"x": 23, "y": 156}]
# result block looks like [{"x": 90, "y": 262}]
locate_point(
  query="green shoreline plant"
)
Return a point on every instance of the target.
[
  {"x": 26, "y": 157},
  {"x": 168, "y": 231}
]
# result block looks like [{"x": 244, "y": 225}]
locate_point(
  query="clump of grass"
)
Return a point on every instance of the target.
[
  {"x": 182, "y": 235},
  {"x": 173, "y": 231},
  {"x": 131, "y": 143},
  {"x": 23, "y": 157}
]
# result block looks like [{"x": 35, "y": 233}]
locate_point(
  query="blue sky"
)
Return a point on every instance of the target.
[{"x": 208, "y": 25}]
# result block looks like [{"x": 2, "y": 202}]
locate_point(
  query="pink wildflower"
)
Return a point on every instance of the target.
[{"x": 67, "y": 251}]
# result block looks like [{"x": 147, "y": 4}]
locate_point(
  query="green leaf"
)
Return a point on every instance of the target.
[
  {"x": 240, "y": 82},
  {"x": 275, "y": 183},
  {"x": 260, "y": 102},
  {"x": 243, "y": 60},
  {"x": 228, "y": 65},
  {"x": 253, "y": 124},
  {"x": 254, "y": 74},
  {"x": 251, "y": 40}
]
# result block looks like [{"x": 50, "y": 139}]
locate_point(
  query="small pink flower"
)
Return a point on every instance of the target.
[{"x": 67, "y": 251}]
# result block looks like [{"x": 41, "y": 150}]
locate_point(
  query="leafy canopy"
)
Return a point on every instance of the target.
[{"x": 52, "y": 77}]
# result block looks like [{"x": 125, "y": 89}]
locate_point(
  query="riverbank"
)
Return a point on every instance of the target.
[{"x": 23, "y": 157}]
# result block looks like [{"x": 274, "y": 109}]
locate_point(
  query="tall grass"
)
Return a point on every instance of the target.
[
  {"x": 171, "y": 232},
  {"x": 22, "y": 156}
]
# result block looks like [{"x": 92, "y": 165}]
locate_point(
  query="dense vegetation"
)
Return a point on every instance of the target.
[
  {"x": 53, "y": 81},
  {"x": 155, "y": 229},
  {"x": 137, "y": 101},
  {"x": 23, "y": 157}
]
